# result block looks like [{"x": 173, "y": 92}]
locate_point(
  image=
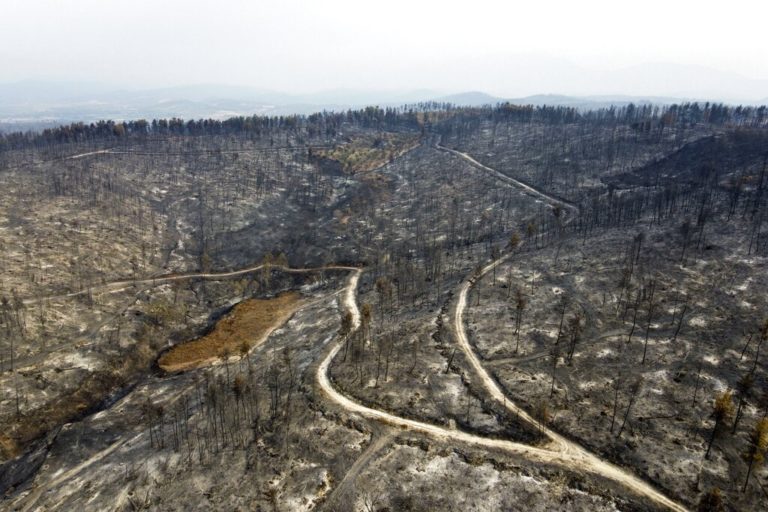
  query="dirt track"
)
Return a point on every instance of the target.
[
  {"x": 559, "y": 451},
  {"x": 117, "y": 286}
]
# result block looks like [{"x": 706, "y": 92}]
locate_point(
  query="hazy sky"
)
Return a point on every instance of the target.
[{"x": 301, "y": 46}]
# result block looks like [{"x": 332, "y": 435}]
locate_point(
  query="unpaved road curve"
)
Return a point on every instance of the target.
[
  {"x": 30, "y": 500},
  {"x": 117, "y": 286},
  {"x": 575, "y": 456},
  {"x": 565, "y": 453},
  {"x": 559, "y": 451},
  {"x": 322, "y": 375},
  {"x": 562, "y": 452}
]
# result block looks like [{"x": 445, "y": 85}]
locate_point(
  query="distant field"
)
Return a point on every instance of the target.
[{"x": 367, "y": 152}]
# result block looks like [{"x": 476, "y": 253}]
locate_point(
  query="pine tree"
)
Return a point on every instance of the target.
[
  {"x": 722, "y": 410},
  {"x": 758, "y": 446}
]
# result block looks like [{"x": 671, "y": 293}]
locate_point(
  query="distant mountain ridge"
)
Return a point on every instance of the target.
[
  {"x": 470, "y": 99},
  {"x": 35, "y": 104}
]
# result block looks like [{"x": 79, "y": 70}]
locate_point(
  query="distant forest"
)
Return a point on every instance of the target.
[{"x": 415, "y": 117}]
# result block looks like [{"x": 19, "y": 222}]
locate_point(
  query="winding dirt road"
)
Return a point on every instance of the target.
[
  {"x": 349, "y": 302},
  {"x": 565, "y": 452},
  {"x": 559, "y": 450},
  {"x": 117, "y": 286}
]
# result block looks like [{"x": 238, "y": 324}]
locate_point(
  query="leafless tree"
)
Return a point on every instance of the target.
[{"x": 520, "y": 304}]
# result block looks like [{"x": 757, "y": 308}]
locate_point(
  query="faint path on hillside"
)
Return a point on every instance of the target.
[
  {"x": 342, "y": 493},
  {"x": 530, "y": 190},
  {"x": 90, "y": 153},
  {"x": 118, "y": 286}
]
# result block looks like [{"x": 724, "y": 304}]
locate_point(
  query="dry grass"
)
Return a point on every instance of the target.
[
  {"x": 424, "y": 118},
  {"x": 365, "y": 153},
  {"x": 249, "y": 323}
]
